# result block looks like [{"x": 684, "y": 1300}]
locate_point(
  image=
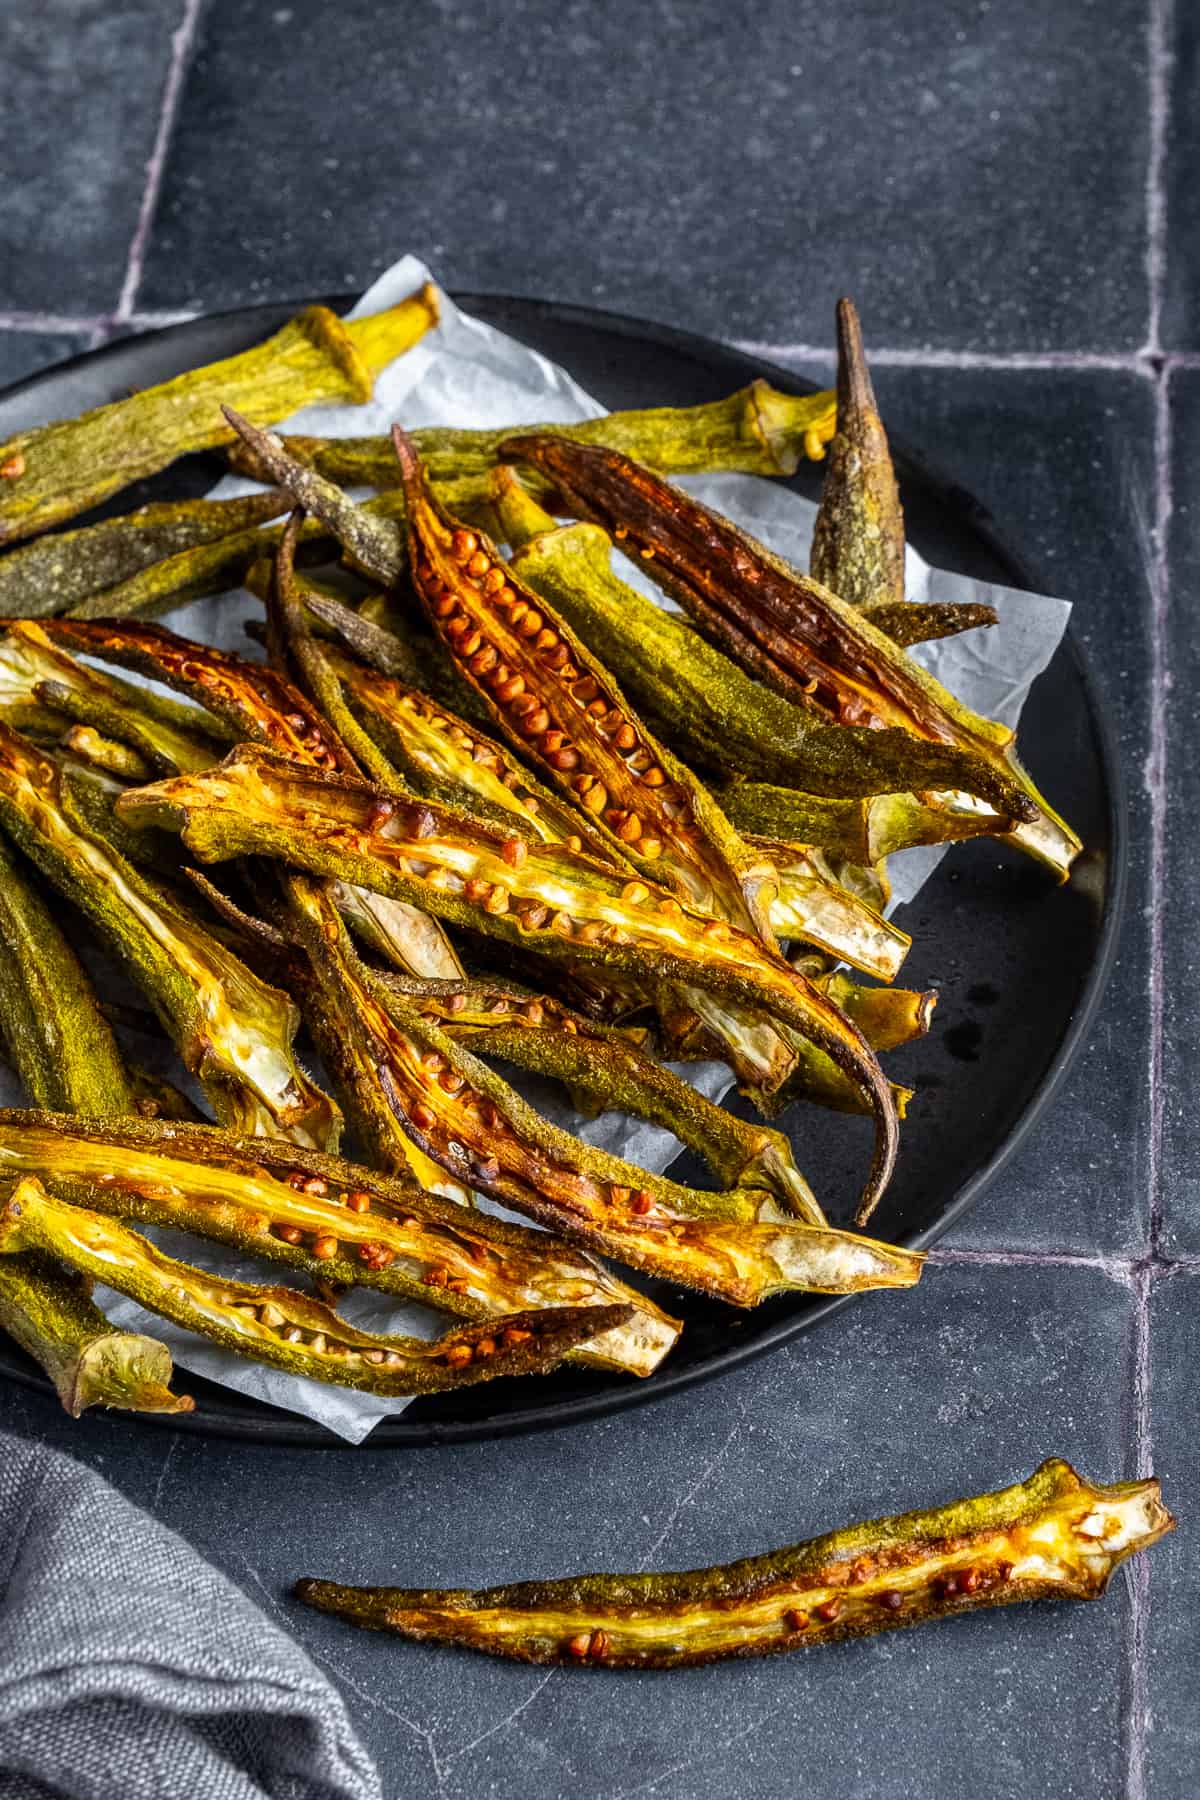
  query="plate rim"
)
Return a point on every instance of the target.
[{"x": 277, "y": 1428}]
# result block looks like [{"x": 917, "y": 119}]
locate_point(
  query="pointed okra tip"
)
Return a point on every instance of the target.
[
  {"x": 854, "y": 390},
  {"x": 406, "y": 454}
]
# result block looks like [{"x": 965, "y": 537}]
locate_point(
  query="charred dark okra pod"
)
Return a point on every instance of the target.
[
  {"x": 280, "y": 1325},
  {"x": 56, "y": 471},
  {"x": 793, "y": 633},
  {"x": 88, "y": 1360},
  {"x": 463, "y": 868},
  {"x": 328, "y": 1220},
  {"x": 1054, "y": 1536},
  {"x": 758, "y": 430}
]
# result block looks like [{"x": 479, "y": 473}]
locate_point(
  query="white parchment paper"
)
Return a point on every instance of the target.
[{"x": 466, "y": 373}]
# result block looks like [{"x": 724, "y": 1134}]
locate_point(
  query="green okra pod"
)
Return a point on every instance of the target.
[
  {"x": 64, "y": 1052},
  {"x": 326, "y": 1218},
  {"x": 54, "y": 472},
  {"x": 858, "y": 539},
  {"x": 53, "y": 574},
  {"x": 531, "y": 894},
  {"x": 401, "y": 1074},
  {"x": 282, "y": 1326},
  {"x": 758, "y": 430},
  {"x": 602, "y": 1068},
  {"x": 797, "y": 636},
  {"x": 233, "y": 1031},
  {"x": 1055, "y": 1536},
  {"x": 54, "y": 1033},
  {"x": 718, "y": 716},
  {"x": 90, "y": 1363}
]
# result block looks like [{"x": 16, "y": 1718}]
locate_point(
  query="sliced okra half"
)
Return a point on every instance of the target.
[
  {"x": 535, "y": 895},
  {"x": 328, "y": 1220},
  {"x": 1055, "y": 1536},
  {"x": 233, "y": 1031},
  {"x": 281, "y": 1326},
  {"x": 400, "y": 1073}
]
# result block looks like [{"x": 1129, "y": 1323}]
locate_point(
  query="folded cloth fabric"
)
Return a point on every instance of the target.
[{"x": 131, "y": 1670}]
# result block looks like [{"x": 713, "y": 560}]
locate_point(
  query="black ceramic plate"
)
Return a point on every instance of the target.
[{"x": 1020, "y": 962}]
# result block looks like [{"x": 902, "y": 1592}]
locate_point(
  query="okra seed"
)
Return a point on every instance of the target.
[
  {"x": 463, "y": 546},
  {"x": 325, "y": 1248},
  {"x": 795, "y": 1620},
  {"x": 479, "y": 565}
]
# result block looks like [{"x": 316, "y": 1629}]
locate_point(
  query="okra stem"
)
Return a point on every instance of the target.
[{"x": 49, "y": 1314}]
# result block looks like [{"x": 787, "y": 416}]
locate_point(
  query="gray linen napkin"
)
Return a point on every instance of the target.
[{"x": 131, "y": 1670}]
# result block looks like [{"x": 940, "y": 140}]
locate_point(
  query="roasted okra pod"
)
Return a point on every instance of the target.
[
  {"x": 1055, "y": 1536},
  {"x": 280, "y": 1325}
]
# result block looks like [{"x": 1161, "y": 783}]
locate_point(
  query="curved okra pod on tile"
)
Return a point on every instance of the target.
[
  {"x": 400, "y": 1073},
  {"x": 327, "y": 1219},
  {"x": 534, "y": 895},
  {"x": 90, "y": 1363},
  {"x": 797, "y": 636},
  {"x": 51, "y": 575},
  {"x": 233, "y": 1031},
  {"x": 53, "y": 472},
  {"x": 757, "y": 431},
  {"x": 281, "y": 1326},
  {"x": 1055, "y": 1536}
]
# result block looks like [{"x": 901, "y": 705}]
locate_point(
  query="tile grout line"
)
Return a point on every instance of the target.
[
  {"x": 182, "y": 40},
  {"x": 1159, "y": 21}
]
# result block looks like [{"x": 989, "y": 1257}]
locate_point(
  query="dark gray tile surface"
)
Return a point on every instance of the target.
[
  {"x": 732, "y": 169},
  {"x": 1181, "y": 298},
  {"x": 25, "y": 352},
  {"x": 1181, "y": 1040},
  {"x": 1174, "y": 1636},
  {"x": 83, "y": 91},
  {"x": 985, "y": 1371}
]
